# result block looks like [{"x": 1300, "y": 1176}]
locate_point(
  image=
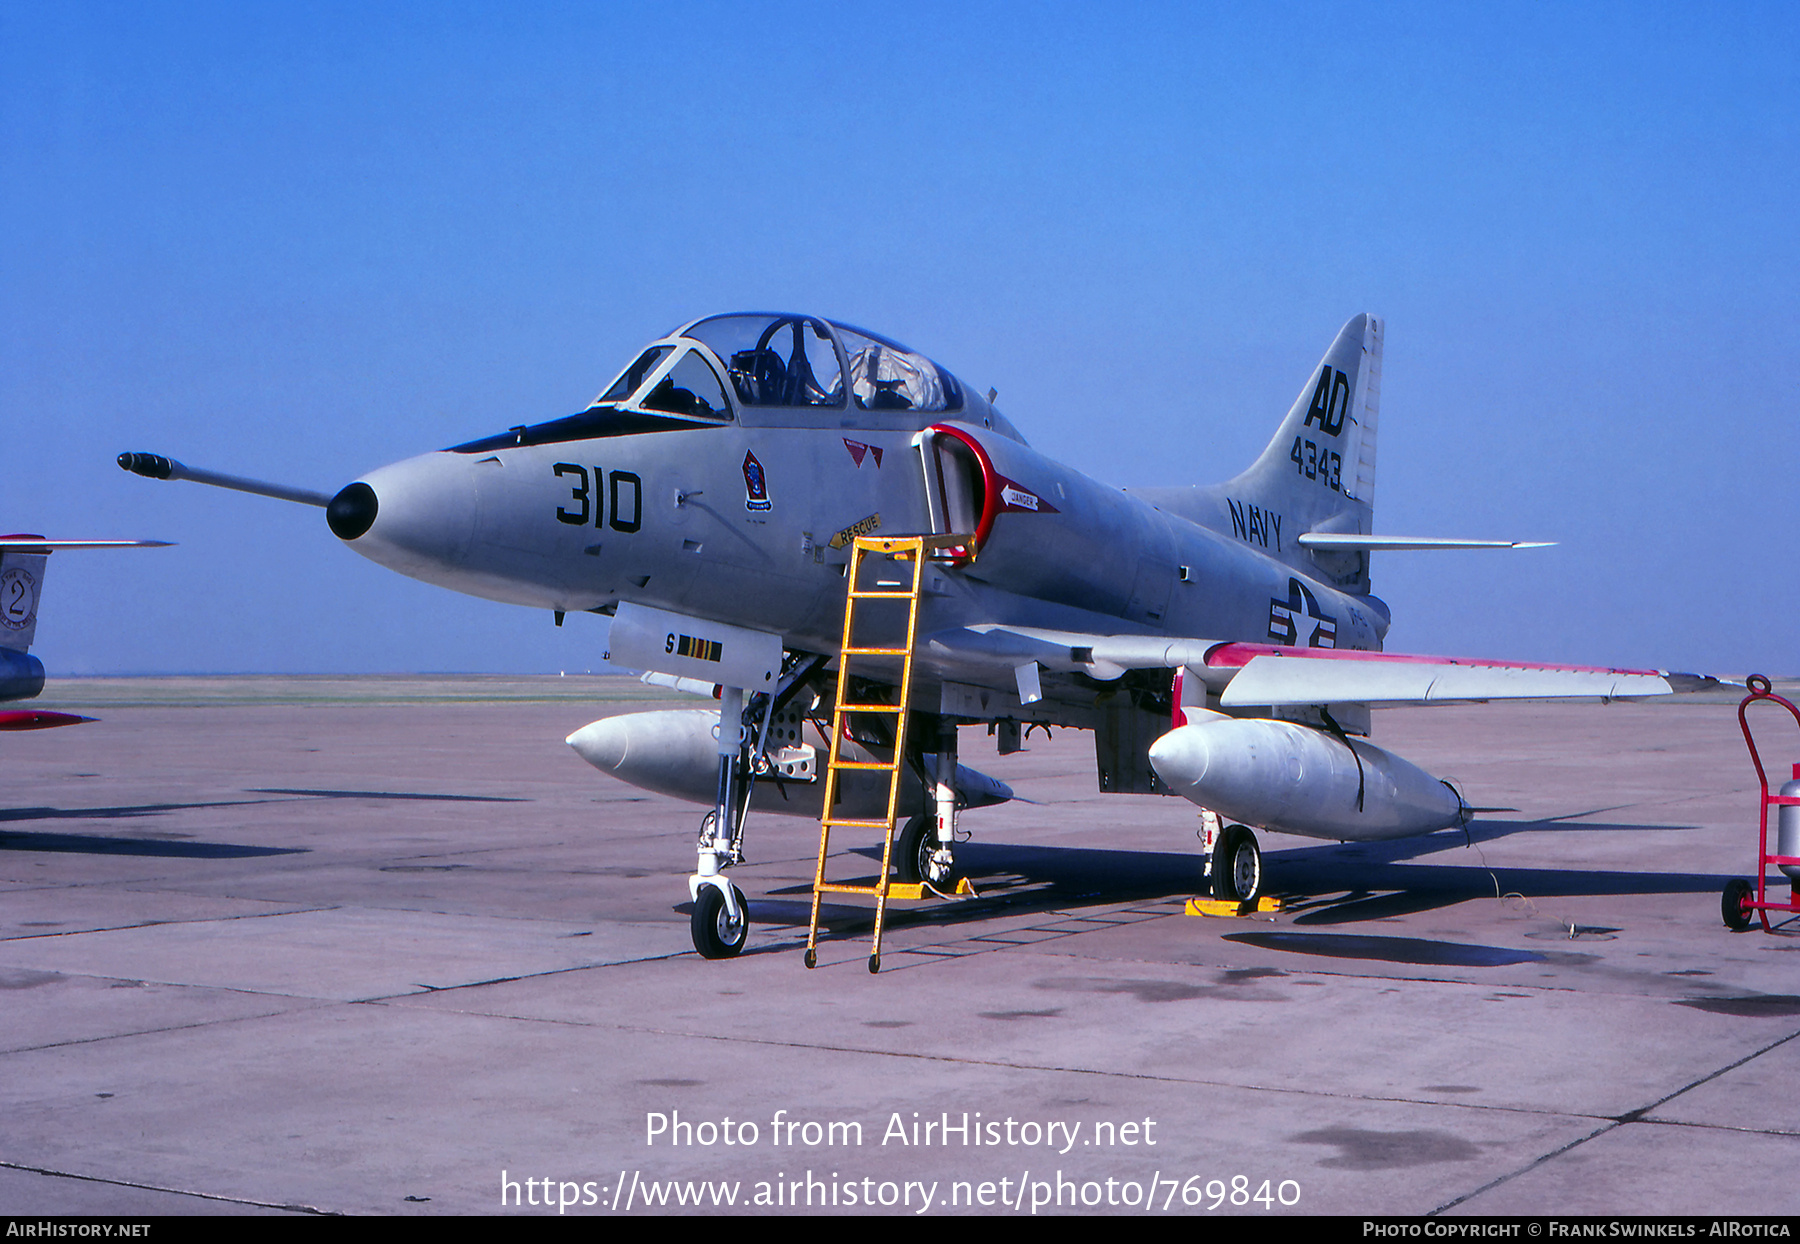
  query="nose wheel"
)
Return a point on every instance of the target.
[
  {"x": 716, "y": 934},
  {"x": 919, "y": 856}
]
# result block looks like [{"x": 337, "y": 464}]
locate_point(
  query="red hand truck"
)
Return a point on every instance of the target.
[{"x": 1741, "y": 901}]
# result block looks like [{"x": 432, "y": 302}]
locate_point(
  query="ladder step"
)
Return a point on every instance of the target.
[{"x": 897, "y": 548}]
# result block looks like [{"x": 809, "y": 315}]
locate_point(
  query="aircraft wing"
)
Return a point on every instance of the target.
[
  {"x": 1266, "y": 674},
  {"x": 1250, "y": 674}
]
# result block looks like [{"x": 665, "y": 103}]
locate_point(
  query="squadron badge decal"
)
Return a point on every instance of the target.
[{"x": 756, "y": 484}]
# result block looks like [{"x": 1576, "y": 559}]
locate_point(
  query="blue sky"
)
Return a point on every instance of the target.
[{"x": 299, "y": 241}]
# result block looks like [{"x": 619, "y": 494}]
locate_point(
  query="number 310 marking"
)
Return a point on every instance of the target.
[{"x": 617, "y": 483}]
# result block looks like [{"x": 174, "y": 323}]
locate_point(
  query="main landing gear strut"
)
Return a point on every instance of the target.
[
  {"x": 1234, "y": 860},
  {"x": 925, "y": 850}
]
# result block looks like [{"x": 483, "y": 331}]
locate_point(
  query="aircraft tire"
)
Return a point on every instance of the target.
[
  {"x": 913, "y": 851},
  {"x": 1237, "y": 874},
  {"x": 715, "y": 934},
  {"x": 1734, "y": 905}
]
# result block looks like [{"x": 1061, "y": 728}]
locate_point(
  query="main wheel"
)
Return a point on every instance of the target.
[
  {"x": 716, "y": 934},
  {"x": 1734, "y": 905},
  {"x": 914, "y": 852},
  {"x": 1237, "y": 866}
]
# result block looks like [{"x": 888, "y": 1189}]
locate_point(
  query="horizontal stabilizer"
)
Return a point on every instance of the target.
[
  {"x": 37, "y": 544},
  {"x": 23, "y": 556},
  {"x": 1351, "y": 543}
]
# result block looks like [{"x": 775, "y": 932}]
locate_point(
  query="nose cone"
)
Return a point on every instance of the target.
[
  {"x": 416, "y": 516},
  {"x": 352, "y": 512}
]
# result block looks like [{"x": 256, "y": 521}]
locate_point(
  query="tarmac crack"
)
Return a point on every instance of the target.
[
  {"x": 383, "y": 999},
  {"x": 154, "y": 924},
  {"x": 128, "y": 1183},
  {"x": 1618, "y": 1121},
  {"x": 151, "y": 1032}
]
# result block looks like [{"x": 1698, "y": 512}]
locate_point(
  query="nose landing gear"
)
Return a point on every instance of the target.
[
  {"x": 720, "y": 924},
  {"x": 721, "y": 920},
  {"x": 720, "y": 931}
]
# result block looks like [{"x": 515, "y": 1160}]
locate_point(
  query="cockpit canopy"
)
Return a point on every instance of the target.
[
  {"x": 796, "y": 360},
  {"x": 703, "y": 374}
]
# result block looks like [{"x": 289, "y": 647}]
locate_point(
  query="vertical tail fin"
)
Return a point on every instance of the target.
[
  {"x": 21, "y": 580},
  {"x": 1318, "y": 473}
]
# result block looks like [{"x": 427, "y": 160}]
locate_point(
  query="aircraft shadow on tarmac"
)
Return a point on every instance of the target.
[
  {"x": 100, "y": 844},
  {"x": 1326, "y": 884},
  {"x": 103, "y": 844},
  {"x": 1343, "y": 884},
  {"x": 386, "y": 794}
]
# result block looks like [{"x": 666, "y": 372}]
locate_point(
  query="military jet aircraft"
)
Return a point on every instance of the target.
[
  {"x": 22, "y": 562},
  {"x": 1221, "y": 642}
]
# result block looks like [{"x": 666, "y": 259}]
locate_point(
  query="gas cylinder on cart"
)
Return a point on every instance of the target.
[{"x": 1787, "y": 822}]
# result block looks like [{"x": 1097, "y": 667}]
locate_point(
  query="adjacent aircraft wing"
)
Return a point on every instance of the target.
[{"x": 38, "y": 719}]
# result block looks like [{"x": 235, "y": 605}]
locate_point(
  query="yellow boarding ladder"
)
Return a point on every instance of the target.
[{"x": 917, "y": 550}]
